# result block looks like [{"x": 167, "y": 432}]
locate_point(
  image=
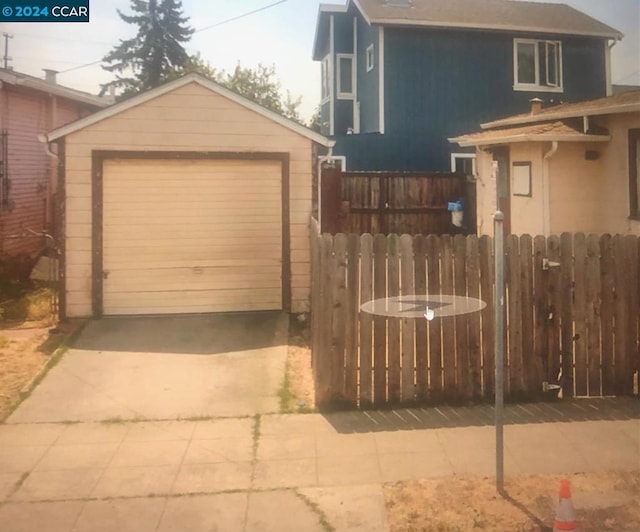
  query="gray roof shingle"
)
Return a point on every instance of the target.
[{"x": 505, "y": 15}]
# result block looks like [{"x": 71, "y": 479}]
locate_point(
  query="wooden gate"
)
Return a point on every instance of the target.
[
  {"x": 382, "y": 202},
  {"x": 572, "y": 306}
]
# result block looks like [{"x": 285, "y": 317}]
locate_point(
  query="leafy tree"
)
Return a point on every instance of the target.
[
  {"x": 315, "y": 122},
  {"x": 196, "y": 64},
  {"x": 149, "y": 58}
]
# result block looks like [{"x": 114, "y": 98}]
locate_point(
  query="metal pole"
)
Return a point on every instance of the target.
[
  {"x": 6, "y": 48},
  {"x": 498, "y": 239}
]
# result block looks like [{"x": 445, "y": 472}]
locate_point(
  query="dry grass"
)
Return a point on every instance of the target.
[
  {"x": 30, "y": 305},
  {"x": 603, "y": 501}
]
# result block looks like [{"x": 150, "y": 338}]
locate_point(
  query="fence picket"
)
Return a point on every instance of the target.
[
  {"x": 435, "y": 326},
  {"x": 366, "y": 321},
  {"x": 555, "y": 303},
  {"x": 407, "y": 283},
  {"x": 379, "y": 322},
  {"x": 514, "y": 313},
  {"x": 323, "y": 379},
  {"x": 566, "y": 331},
  {"x": 351, "y": 320},
  {"x": 529, "y": 385},
  {"x": 448, "y": 331},
  {"x": 580, "y": 313},
  {"x": 593, "y": 315},
  {"x": 542, "y": 311},
  {"x": 422, "y": 361},
  {"x": 473, "y": 320},
  {"x": 393, "y": 324},
  {"x": 607, "y": 284},
  {"x": 461, "y": 322},
  {"x": 338, "y": 330},
  {"x": 487, "y": 278},
  {"x": 620, "y": 307}
]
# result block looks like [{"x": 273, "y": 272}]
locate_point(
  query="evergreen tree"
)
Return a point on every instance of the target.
[{"x": 149, "y": 58}]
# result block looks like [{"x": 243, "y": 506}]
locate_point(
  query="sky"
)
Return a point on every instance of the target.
[{"x": 281, "y": 35}]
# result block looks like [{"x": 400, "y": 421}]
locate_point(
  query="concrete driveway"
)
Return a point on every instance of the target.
[{"x": 165, "y": 368}]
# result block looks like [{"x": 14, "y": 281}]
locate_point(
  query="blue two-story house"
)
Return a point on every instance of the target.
[{"x": 400, "y": 77}]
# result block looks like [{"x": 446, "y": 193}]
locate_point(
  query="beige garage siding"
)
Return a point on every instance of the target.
[
  {"x": 191, "y": 236},
  {"x": 190, "y": 118}
]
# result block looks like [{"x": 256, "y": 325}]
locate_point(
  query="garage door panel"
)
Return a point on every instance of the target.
[
  {"x": 191, "y": 279},
  {"x": 197, "y": 249},
  {"x": 202, "y": 236},
  {"x": 147, "y": 231}
]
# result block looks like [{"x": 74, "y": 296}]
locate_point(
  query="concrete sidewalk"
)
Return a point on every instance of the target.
[{"x": 282, "y": 472}]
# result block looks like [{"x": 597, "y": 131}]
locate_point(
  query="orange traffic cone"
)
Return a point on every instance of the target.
[{"x": 566, "y": 515}]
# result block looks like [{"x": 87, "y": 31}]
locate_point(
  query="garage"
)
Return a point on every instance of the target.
[
  {"x": 176, "y": 240},
  {"x": 186, "y": 199}
]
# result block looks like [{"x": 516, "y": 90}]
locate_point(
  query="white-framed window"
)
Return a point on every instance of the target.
[
  {"x": 346, "y": 76},
  {"x": 463, "y": 163},
  {"x": 326, "y": 78},
  {"x": 371, "y": 58},
  {"x": 537, "y": 65}
]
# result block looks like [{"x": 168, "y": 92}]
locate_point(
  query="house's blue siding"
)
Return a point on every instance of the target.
[
  {"x": 442, "y": 83},
  {"x": 343, "y": 31},
  {"x": 368, "y": 93},
  {"x": 344, "y": 116}
]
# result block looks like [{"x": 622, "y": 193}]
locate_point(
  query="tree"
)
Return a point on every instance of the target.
[
  {"x": 196, "y": 65},
  {"x": 149, "y": 58},
  {"x": 315, "y": 122},
  {"x": 261, "y": 86}
]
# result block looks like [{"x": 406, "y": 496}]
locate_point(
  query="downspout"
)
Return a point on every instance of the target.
[
  {"x": 546, "y": 207},
  {"x": 47, "y": 147},
  {"x": 607, "y": 59}
]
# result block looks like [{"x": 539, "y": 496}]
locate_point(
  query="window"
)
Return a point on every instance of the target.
[
  {"x": 463, "y": 163},
  {"x": 326, "y": 78},
  {"x": 537, "y": 65},
  {"x": 345, "y": 76},
  {"x": 634, "y": 173},
  {"x": 4, "y": 169},
  {"x": 371, "y": 61},
  {"x": 521, "y": 179}
]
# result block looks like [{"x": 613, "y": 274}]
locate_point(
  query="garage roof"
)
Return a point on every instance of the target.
[{"x": 173, "y": 85}]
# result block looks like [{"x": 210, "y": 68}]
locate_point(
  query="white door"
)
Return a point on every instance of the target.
[{"x": 191, "y": 236}]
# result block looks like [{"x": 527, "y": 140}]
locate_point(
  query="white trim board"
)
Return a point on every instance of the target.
[
  {"x": 381, "y": 122},
  {"x": 461, "y": 155},
  {"x": 181, "y": 82}
]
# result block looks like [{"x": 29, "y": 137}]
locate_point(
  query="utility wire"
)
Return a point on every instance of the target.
[
  {"x": 81, "y": 66},
  {"x": 233, "y": 19}
]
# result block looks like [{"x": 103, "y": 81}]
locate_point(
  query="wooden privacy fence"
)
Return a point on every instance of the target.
[
  {"x": 381, "y": 202},
  {"x": 572, "y": 305}
]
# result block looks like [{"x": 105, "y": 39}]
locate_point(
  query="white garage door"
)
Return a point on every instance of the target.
[{"x": 191, "y": 236}]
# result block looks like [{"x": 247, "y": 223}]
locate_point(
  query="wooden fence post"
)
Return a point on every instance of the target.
[{"x": 330, "y": 199}]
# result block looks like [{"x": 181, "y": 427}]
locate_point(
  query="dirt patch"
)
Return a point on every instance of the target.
[
  {"x": 27, "y": 338},
  {"x": 23, "y": 352},
  {"x": 603, "y": 501},
  {"x": 298, "y": 394}
]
